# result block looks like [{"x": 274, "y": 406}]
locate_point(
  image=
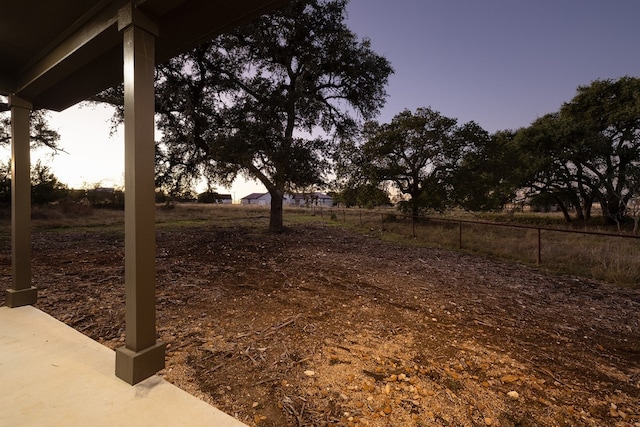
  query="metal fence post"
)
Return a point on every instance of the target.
[{"x": 539, "y": 246}]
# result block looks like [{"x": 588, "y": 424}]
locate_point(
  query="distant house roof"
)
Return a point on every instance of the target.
[{"x": 254, "y": 196}]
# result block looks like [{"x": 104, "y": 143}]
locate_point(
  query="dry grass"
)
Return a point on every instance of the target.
[{"x": 613, "y": 260}]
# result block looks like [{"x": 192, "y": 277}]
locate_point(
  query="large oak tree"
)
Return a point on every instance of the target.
[
  {"x": 269, "y": 101},
  {"x": 589, "y": 151}
]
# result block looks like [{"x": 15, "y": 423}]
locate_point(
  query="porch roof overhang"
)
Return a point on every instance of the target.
[{"x": 57, "y": 53}]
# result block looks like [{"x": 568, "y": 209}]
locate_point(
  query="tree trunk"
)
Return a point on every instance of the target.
[
  {"x": 588, "y": 203},
  {"x": 563, "y": 208},
  {"x": 612, "y": 210},
  {"x": 565, "y": 212},
  {"x": 276, "y": 224},
  {"x": 579, "y": 212},
  {"x": 415, "y": 211}
]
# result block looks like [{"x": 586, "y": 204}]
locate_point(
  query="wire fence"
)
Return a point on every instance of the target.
[{"x": 605, "y": 256}]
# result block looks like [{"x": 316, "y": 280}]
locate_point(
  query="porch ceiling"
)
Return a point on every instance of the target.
[{"x": 57, "y": 53}]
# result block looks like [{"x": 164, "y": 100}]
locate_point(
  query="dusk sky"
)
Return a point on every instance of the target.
[{"x": 501, "y": 63}]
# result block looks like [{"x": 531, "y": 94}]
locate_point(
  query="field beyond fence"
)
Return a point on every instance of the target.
[{"x": 609, "y": 257}]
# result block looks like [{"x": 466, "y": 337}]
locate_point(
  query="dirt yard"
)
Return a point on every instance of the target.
[{"x": 319, "y": 326}]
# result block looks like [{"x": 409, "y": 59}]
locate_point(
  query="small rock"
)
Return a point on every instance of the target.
[
  {"x": 310, "y": 373},
  {"x": 613, "y": 410},
  {"x": 513, "y": 394},
  {"x": 509, "y": 379},
  {"x": 488, "y": 421}
]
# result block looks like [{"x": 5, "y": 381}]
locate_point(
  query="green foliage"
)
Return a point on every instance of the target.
[
  {"x": 587, "y": 152},
  {"x": 210, "y": 197},
  {"x": 606, "y": 115},
  {"x": 105, "y": 198},
  {"x": 41, "y": 134},
  {"x": 5, "y": 184},
  {"x": 162, "y": 197},
  {"x": 363, "y": 196},
  {"x": 420, "y": 154},
  {"x": 489, "y": 175},
  {"x": 45, "y": 187}
]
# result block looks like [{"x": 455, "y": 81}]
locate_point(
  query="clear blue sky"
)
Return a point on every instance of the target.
[{"x": 501, "y": 63}]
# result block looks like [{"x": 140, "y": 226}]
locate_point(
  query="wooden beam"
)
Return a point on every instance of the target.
[{"x": 83, "y": 45}]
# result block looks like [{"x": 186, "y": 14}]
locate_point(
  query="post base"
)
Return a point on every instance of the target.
[
  {"x": 133, "y": 367},
  {"x": 21, "y": 297}
]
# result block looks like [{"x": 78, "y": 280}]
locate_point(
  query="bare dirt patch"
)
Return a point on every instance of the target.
[{"x": 319, "y": 326}]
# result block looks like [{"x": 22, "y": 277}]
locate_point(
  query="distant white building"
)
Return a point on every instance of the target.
[
  {"x": 262, "y": 199},
  {"x": 297, "y": 199}
]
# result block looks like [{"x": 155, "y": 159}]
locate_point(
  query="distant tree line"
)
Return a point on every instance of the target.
[
  {"x": 588, "y": 152},
  {"x": 46, "y": 189}
]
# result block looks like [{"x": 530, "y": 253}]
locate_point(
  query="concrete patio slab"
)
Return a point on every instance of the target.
[{"x": 52, "y": 375}]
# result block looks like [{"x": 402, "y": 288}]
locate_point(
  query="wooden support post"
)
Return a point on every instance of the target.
[
  {"x": 21, "y": 293},
  {"x": 142, "y": 356}
]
